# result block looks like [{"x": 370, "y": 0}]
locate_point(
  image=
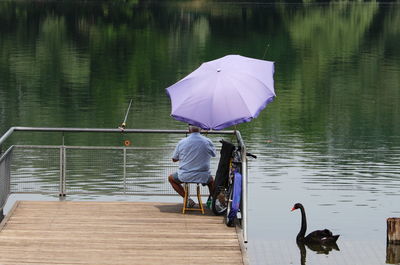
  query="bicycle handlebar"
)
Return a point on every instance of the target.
[{"x": 250, "y": 154}]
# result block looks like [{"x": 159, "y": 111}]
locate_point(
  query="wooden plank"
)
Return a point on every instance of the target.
[
  {"x": 115, "y": 233},
  {"x": 121, "y": 235}
]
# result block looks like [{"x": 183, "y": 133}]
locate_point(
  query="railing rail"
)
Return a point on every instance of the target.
[{"x": 110, "y": 178}]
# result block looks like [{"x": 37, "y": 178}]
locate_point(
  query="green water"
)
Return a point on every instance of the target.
[{"x": 330, "y": 140}]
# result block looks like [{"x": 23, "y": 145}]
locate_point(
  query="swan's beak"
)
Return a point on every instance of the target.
[{"x": 293, "y": 209}]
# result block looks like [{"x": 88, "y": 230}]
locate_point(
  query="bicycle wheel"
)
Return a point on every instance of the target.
[
  {"x": 220, "y": 201},
  {"x": 229, "y": 220}
]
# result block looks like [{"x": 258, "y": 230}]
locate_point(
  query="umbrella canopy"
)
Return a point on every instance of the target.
[{"x": 223, "y": 92}]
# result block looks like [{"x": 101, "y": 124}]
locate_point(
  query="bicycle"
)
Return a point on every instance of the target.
[{"x": 228, "y": 183}]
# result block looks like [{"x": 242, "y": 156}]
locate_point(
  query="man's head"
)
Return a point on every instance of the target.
[{"x": 193, "y": 128}]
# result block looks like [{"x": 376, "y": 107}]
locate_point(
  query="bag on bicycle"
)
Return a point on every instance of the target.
[
  {"x": 221, "y": 177},
  {"x": 237, "y": 194}
]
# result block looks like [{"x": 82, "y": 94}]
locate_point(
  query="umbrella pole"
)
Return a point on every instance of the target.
[{"x": 234, "y": 133}]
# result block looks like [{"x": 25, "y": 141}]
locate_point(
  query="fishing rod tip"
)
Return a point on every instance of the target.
[{"x": 122, "y": 126}]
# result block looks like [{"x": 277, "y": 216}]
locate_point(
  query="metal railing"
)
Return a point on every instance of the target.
[
  {"x": 5, "y": 162},
  {"x": 89, "y": 169}
]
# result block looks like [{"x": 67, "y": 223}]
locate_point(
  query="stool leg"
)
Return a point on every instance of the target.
[
  {"x": 185, "y": 199},
  {"x": 199, "y": 199}
]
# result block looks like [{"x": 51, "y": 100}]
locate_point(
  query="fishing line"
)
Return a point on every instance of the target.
[{"x": 265, "y": 51}]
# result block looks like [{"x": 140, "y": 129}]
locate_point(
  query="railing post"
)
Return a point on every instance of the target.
[
  {"x": 62, "y": 169},
  {"x": 60, "y": 193},
  {"x": 244, "y": 193},
  {"x": 124, "y": 170}
]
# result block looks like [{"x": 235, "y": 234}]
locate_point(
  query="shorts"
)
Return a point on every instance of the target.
[{"x": 177, "y": 180}]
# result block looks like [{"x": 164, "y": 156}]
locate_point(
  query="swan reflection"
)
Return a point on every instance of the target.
[{"x": 318, "y": 248}]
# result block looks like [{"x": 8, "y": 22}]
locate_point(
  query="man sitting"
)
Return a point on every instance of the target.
[{"x": 193, "y": 153}]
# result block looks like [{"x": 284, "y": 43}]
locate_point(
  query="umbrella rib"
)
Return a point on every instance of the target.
[
  {"x": 241, "y": 96},
  {"x": 261, "y": 82},
  {"x": 263, "y": 105}
]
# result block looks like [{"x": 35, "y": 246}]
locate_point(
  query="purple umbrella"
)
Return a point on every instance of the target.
[{"x": 223, "y": 92}]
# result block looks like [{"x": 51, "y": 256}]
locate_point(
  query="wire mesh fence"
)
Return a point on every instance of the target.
[
  {"x": 5, "y": 161},
  {"x": 35, "y": 169},
  {"x": 93, "y": 170}
]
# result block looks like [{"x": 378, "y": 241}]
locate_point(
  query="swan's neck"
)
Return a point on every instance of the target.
[{"x": 303, "y": 229}]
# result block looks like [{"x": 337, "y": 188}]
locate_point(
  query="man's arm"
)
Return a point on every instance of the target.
[
  {"x": 175, "y": 155},
  {"x": 212, "y": 148}
]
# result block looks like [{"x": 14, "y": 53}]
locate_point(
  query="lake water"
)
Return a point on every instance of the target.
[{"x": 330, "y": 140}]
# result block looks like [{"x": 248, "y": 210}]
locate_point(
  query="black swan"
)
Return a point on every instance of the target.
[{"x": 317, "y": 237}]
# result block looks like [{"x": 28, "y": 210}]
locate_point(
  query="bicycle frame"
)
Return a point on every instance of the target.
[{"x": 224, "y": 189}]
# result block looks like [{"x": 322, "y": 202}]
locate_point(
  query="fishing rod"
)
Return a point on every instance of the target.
[{"x": 123, "y": 124}]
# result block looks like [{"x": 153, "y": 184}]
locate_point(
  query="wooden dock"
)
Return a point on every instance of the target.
[{"x": 115, "y": 233}]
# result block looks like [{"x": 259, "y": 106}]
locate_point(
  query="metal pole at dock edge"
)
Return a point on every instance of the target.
[
  {"x": 244, "y": 185},
  {"x": 244, "y": 193}
]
